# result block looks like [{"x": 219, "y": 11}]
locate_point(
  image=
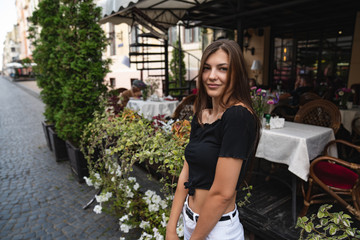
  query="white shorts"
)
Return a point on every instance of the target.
[{"x": 228, "y": 228}]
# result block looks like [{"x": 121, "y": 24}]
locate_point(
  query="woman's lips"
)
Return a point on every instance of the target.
[{"x": 213, "y": 86}]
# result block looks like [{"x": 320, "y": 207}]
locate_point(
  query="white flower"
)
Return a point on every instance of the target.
[
  {"x": 132, "y": 179},
  {"x": 145, "y": 236},
  {"x": 341, "y": 93},
  {"x": 97, "y": 175},
  {"x": 97, "y": 185},
  {"x": 180, "y": 230},
  {"x": 122, "y": 238},
  {"x": 88, "y": 182},
  {"x": 97, "y": 209},
  {"x": 163, "y": 204},
  {"x": 156, "y": 199},
  {"x": 113, "y": 179},
  {"x": 103, "y": 197},
  {"x": 149, "y": 193},
  {"x": 108, "y": 195},
  {"x": 125, "y": 228},
  {"x": 129, "y": 193},
  {"x": 164, "y": 220},
  {"x": 128, "y": 204},
  {"x": 153, "y": 207},
  {"x": 123, "y": 218},
  {"x": 136, "y": 186},
  {"x": 118, "y": 171},
  {"x": 144, "y": 224},
  {"x": 157, "y": 235}
]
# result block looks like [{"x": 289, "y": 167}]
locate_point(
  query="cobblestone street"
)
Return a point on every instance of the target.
[{"x": 40, "y": 198}]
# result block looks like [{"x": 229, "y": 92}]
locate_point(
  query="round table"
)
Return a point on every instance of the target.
[
  {"x": 348, "y": 115},
  {"x": 151, "y": 108}
]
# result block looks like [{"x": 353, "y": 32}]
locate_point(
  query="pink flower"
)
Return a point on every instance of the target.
[{"x": 270, "y": 101}]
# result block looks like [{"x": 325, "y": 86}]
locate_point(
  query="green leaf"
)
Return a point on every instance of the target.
[{"x": 333, "y": 230}]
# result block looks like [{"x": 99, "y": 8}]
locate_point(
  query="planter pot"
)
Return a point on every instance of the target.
[
  {"x": 78, "y": 162},
  {"x": 46, "y": 132},
  {"x": 58, "y": 146}
]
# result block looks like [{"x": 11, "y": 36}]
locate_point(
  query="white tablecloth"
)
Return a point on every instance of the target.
[
  {"x": 151, "y": 108},
  {"x": 294, "y": 145},
  {"x": 347, "y": 116}
]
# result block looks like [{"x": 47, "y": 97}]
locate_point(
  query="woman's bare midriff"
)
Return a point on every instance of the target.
[{"x": 199, "y": 198}]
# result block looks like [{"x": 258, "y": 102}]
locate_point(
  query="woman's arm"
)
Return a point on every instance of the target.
[
  {"x": 178, "y": 203},
  {"x": 221, "y": 195}
]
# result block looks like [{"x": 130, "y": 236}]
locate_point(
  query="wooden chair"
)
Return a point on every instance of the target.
[
  {"x": 307, "y": 97},
  {"x": 185, "y": 109},
  {"x": 319, "y": 112},
  {"x": 337, "y": 180}
]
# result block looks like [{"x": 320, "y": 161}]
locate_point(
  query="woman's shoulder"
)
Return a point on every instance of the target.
[{"x": 238, "y": 109}]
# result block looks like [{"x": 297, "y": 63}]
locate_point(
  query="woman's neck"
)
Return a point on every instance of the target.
[{"x": 216, "y": 107}]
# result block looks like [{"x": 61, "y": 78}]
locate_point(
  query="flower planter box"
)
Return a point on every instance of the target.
[
  {"x": 58, "y": 146},
  {"x": 78, "y": 162},
  {"x": 46, "y": 132}
]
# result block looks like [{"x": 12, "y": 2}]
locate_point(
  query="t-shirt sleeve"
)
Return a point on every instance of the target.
[{"x": 239, "y": 133}]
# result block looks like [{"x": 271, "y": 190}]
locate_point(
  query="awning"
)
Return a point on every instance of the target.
[
  {"x": 160, "y": 13},
  {"x": 14, "y": 65}
]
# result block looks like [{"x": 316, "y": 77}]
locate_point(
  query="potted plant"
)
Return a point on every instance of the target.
[
  {"x": 46, "y": 20},
  {"x": 82, "y": 42}
]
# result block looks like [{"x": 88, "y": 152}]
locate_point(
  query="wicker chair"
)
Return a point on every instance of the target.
[
  {"x": 319, "y": 112},
  {"x": 337, "y": 179},
  {"x": 307, "y": 97},
  {"x": 185, "y": 109}
]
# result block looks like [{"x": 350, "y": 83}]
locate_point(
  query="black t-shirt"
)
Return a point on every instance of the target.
[{"x": 233, "y": 135}]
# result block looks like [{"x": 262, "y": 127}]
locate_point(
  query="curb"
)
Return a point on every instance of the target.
[{"x": 26, "y": 89}]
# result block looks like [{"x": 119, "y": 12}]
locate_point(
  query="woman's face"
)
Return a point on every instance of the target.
[{"x": 214, "y": 75}]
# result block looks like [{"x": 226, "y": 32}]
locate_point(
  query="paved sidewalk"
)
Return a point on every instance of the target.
[{"x": 40, "y": 199}]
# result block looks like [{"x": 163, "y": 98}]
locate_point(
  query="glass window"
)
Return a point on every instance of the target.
[
  {"x": 173, "y": 35},
  {"x": 112, "y": 39},
  {"x": 192, "y": 35}
]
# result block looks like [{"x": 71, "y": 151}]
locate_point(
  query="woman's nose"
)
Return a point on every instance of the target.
[{"x": 213, "y": 74}]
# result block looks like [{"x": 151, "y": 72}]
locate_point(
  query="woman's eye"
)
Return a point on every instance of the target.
[
  {"x": 206, "y": 68},
  {"x": 223, "y": 69}
]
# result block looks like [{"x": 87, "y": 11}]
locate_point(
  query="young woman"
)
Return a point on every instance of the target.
[{"x": 223, "y": 140}]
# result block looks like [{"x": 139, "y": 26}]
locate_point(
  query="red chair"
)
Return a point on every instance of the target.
[{"x": 334, "y": 180}]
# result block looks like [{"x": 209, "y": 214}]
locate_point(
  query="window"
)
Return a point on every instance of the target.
[
  {"x": 112, "y": 39},
  {"x": 319, "y": 55},
  {"x": 172, "y": 35},
  {"x": 112, "y": 82},
  {"x": 192, "y": 35},
  {"x": 13, "y": 49}
]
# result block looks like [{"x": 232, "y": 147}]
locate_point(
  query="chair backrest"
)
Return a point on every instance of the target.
[
  {"x": 186, "y": 108},
  {"x": 285, "y": 111},
  {"x": 307, "y": 97},
  {"x": 320, "y": 112}
]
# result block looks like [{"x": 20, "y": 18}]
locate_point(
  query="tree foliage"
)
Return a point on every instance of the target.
[
  {"x": 71, "y": 70},
  {"x": 46, "y": 20},
  {"x": 177, "y": 78}
]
